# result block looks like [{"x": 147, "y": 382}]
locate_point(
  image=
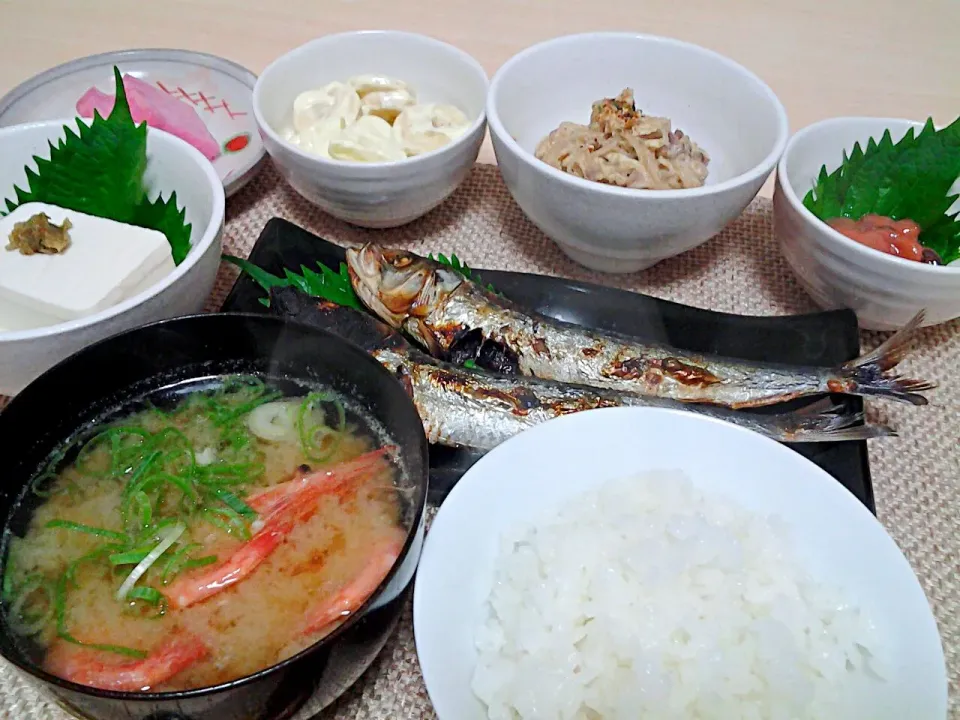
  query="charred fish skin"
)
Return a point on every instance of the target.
[
  {"x": 460, "y": 407},
  {"x": 452, "y": 317},
  {"x": 466, "y": 408}
]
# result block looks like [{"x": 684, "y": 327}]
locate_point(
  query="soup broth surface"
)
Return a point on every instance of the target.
[{"x": 188, "y": 475}]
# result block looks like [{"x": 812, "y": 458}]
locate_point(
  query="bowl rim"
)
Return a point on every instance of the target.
[
  {"x": 366, "y": 169},
  {"x": 409, "y": 540},
  {"x": 759, "y": 170},
  {"x": 197, "y": 250},
  {"x": 588, "y": 420},
  {"x": 887, "y": 261}
]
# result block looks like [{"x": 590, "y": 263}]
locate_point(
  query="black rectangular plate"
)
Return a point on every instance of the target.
[{"x": 825, "y": 339}]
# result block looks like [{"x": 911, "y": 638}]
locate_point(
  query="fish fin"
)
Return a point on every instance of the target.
[
  {"x": 823, "y": 405},
  {"x": 827, "y": 424},
  {"x": 867, "y": 375}
]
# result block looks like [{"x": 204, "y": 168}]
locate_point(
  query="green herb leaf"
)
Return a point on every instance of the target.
[
  {"x": 454, "y": 263},
  {"x": 944, "y": 237},
  {"x": 328, "y": 285},
  {"x": 164, "y": 216},
  {"x": 909, "y": 179},
  {"x": 332, "y": 286},
  {"x": 99, "y": 170},
  {"x": 258, "y": 274}
]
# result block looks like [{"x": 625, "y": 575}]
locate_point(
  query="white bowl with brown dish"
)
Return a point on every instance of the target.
[
  {"x": 621, "y": 186},
  {"x": 97, "y": 285}
]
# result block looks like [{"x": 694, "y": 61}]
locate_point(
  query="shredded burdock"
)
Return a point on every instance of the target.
[
  {"x": 621, "y": 146},
  {"x": 38, "y": 235}
]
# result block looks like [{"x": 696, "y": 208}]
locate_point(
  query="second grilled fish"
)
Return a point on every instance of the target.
[
  {"x": 454, "y": 318},
  {"x": 466, "y": 408}
]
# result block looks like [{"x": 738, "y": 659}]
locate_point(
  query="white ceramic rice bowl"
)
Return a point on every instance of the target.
[
  {"x": 842, "y": 543},
  {"x": 172, "y": 165}
]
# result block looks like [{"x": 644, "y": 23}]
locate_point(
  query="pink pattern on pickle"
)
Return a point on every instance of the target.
[{"x": 158, "y": 109}]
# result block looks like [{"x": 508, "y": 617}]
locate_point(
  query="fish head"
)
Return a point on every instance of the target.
[{"x": 400, "y": 287}]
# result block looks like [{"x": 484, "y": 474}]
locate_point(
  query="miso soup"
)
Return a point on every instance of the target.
[{"x": 200, "y": 538}]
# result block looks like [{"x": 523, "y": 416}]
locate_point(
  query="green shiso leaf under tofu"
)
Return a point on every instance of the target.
[
  {"x": 909, "y": 179},
  {"x": 163, "y": 215},
  {"x": 99, "y": 170}
]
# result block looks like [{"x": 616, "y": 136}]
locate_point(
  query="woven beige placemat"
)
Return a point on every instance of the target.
[{"x": 916, "y": 476}]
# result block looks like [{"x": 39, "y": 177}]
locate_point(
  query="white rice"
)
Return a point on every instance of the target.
[{"x": 649, "y": 599}]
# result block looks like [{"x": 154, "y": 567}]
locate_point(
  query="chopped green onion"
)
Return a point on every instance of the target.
[
  {"x": 71, "y": 571},
  {"x": 171, "y": 537},
  {"x": 27, "y": 589},
  {"x": 309, "y": 442},
  {"x": 227, "y": 520},
  {"x": 141, "y": 470},
  {"x": 60, "y": 615},
  {"x": 88, "y": 529},
  {"x": 174, "y": 562},
  {"x": 199, "y": 562},
  {"x": 131, "y": 557},
  {"x": 146, "y": 594},
  {"x": 144, "y": 508},
  {"x": 235, "y": 503},
  {"x": 9, "y": 584}
]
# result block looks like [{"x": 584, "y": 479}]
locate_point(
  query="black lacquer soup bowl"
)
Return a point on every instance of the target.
[{"x": 163, "y": 358}]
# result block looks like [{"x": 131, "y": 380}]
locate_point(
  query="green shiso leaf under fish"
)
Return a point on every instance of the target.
[
  {"x": 455, "y": 263},
  {"x": 326, "y": 284},
  {"x": 909, "y": 179},
  {"x": 99, "y": 170}
]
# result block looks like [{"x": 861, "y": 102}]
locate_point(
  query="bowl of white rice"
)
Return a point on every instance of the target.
[{"x": 647, "y": 563}]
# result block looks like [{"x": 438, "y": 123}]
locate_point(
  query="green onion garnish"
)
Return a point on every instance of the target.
[{"x": 88, "y": 529}]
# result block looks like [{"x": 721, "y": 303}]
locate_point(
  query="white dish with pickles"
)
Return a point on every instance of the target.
[{"x": 376, "y": 128}]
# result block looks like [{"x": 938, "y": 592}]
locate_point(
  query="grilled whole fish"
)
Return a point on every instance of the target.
[
  {"x": 455, "y": 319},
  {"x": 460, "y": 407}
]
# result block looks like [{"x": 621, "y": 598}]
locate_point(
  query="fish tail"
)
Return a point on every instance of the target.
[
  {"x": 825, "y": 421},
  {"x": 869, "y": 374}
]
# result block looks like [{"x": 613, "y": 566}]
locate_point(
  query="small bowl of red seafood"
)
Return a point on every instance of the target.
[
  {"x": 865, "y": 213},
  {"x": 221, "y": 520}
]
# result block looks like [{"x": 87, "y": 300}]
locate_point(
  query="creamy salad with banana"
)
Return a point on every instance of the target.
[{"x": 371, "y": 118}]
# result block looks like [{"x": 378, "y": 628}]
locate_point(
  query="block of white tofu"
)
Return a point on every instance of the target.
[{"x": 105, "y": 263}]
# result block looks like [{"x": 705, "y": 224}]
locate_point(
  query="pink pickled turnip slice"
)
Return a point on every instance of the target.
[{"x": 160, "y": 111}]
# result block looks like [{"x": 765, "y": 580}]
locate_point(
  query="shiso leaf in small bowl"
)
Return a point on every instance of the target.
[
  {"x": 907, "y": 180},
  {"x": 99, "y": 170}
]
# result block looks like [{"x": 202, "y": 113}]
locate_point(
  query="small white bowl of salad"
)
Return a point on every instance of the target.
[
  {"x": 102, "y": 230},
  {"x": 863, "y": 214}
]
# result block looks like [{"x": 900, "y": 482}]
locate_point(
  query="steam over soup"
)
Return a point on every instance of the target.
[{"x": 187, "y": 546}]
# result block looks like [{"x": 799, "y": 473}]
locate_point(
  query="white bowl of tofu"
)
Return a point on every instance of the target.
[{"x": 111, "y": 276}]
